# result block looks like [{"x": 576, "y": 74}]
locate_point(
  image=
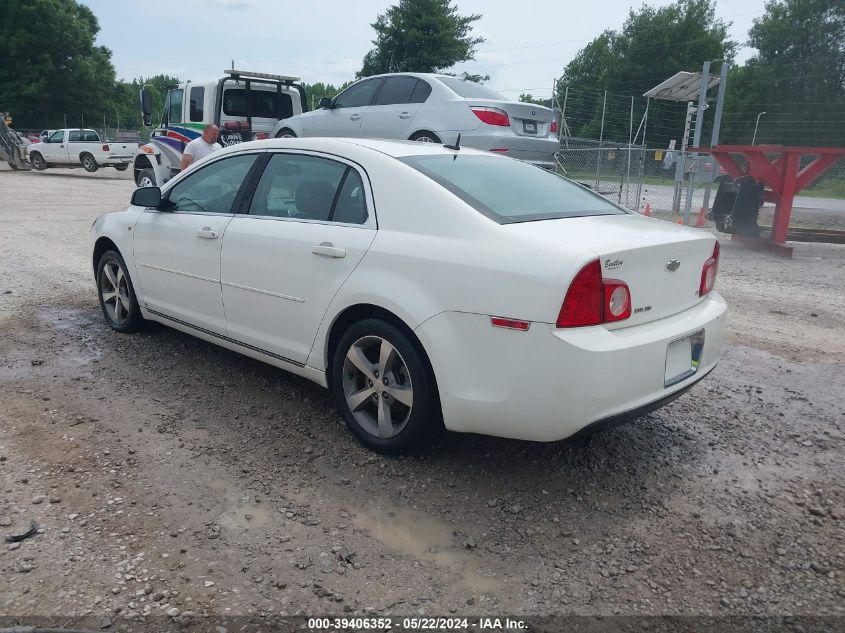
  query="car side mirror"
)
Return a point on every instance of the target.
[
  {"x": 148, "y": 120},
  {"x": 149, "y": 197},
  {"x": 326, "y": 102}
]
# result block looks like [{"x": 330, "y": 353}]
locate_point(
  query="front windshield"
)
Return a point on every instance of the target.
[{"x": 508, "y": 190}]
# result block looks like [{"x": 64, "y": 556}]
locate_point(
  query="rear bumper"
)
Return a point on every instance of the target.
[
  {"x": 539, "y": 151},
  {"x": 548, "y": 384},
  {"x": 626, "y": 416}
]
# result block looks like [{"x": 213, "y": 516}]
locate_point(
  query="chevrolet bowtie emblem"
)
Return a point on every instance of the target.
[{"x": 672, "y": 265}]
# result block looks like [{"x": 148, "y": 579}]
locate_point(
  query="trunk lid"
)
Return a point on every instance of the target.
[
  {"x": 526, "y": 119},
  {"x": 660, "y": 262}
]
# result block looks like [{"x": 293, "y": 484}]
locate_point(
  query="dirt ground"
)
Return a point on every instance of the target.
[{"x": 173, "y": 480}]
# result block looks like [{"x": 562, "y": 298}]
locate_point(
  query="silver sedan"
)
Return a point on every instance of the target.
[{"x": 433, "y": 108}]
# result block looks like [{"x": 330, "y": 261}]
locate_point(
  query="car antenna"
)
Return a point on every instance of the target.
[{"x": 456, "y": 146}]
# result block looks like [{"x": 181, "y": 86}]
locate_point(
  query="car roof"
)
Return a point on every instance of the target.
[{"x": 396, "y": 149}]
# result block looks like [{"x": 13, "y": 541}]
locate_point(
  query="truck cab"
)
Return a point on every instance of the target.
[{"x": 244, "y": 105}]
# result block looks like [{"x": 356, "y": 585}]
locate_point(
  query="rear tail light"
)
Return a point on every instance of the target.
[
  {"x": 592, "y": 300},
  {"x": 492, "y": 116},
  {"x": 553, "y": 127},
  {"x": 105, "y": 148},
  {"x": 708, "y": 272}
]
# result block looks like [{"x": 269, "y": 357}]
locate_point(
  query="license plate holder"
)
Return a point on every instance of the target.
[
  {"x": 683, "y": 357},
  {"x": 529, "y": 127}
]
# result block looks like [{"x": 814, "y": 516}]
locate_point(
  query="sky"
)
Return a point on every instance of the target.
[{"x": 526, "y": 47}]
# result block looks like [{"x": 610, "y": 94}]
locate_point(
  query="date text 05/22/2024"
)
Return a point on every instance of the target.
[{"x": 416, "y": 624}]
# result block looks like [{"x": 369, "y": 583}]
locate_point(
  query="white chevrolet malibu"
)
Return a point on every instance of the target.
[{"x": 426, "y": 286}]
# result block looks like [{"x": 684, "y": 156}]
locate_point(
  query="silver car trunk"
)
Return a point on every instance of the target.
[{"x": 526, "y": 119}]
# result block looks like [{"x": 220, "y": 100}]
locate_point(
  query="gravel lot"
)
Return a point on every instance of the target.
[{"x": 174, "y": 479}]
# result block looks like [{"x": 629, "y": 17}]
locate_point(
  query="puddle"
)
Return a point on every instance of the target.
[
  {"x": 39, "y": 349},
  {"x": 417, "y": 534},
  {"x": 240, "y": 511}
]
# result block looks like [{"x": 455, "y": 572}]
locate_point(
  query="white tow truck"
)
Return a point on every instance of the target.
[
  {"x": 76, "y": 147},
  {"x": 244, "y": 105}
]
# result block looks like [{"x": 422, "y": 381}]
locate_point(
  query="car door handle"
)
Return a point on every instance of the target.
[
  {"x": 404, "y": 115},
  {"x": 327, "y": 249},
  {"x": 354, "y": 117},
  {"x": 207, "y": 234}
]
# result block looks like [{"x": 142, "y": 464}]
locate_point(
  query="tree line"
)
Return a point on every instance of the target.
[{"x": 796, "y": 75}]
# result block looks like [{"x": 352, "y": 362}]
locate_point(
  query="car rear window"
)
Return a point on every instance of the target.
[
  {"x": 262, "y": 103},
  {"x": 470, "y": 89},
  {"x": 508, "y": 190}
]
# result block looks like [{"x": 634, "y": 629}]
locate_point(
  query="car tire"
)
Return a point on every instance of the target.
[
  {"x": 38, "y": 161},
  {"x": 89, "y": 163},
  {"x": 285, "y": 133},
  {"x": 146, "y": 178},
  {"x": 122, "y": 166},
  {"x": 425, "y": 137},
  {"x": 390, "y": 424},
  {"x": 116, "y": 294}
]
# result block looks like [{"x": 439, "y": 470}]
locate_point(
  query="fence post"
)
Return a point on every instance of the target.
[
  {"x": 563, "y": 125},
  {"x": 630, "y": 140},
  {"x": 717, "y": 123},
  {"x": 601, "y": 138},
  {"x": 642, "y": 160}
]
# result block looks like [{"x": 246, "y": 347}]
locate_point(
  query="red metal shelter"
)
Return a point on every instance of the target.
[{"x": 782, "y": 174}]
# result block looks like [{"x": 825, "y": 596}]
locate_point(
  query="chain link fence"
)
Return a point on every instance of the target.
[
  {"x": 635, "y": 176},
  {"x": 630, "y": 175}
]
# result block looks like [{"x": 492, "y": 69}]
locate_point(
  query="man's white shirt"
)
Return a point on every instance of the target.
[{"x": 198, "y": 149}]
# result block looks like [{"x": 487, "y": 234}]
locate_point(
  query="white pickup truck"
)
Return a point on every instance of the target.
[{"x": 78, "y": 147}]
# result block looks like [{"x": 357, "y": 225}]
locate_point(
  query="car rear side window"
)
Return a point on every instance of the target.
[
  {"x": 421, "y": 92},
  {"x": 396, "y": 90},
  {"x": 302, "y": 187},
  {"x": 509, "y": 190}
]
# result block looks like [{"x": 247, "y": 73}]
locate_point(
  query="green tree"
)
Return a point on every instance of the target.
[
  {"x": 797, "y": 77},
  {"x": 420, "y": 36},
  {"x": 653, "y": 44},
  {"x": 316, "y": 91},
  {"x": 529, "y": 98},
  {"x": 50, "y": 65}
]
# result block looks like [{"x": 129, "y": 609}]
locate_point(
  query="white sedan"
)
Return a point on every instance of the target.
[{"x": 426, "y": 286}]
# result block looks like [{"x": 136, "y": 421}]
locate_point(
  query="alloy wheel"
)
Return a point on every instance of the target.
[
  {"x": 377, "y": 387},
  {"x": 114, "y": 291}
]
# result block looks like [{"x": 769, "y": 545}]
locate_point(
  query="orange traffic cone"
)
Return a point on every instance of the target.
[
  {"x": 700, "y": 221},
  {"x": 680, "y": 221},
  {"x": 647, "y": 211}
]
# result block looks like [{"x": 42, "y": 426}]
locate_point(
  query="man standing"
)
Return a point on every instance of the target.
[{"x": 201, "y": 146}]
